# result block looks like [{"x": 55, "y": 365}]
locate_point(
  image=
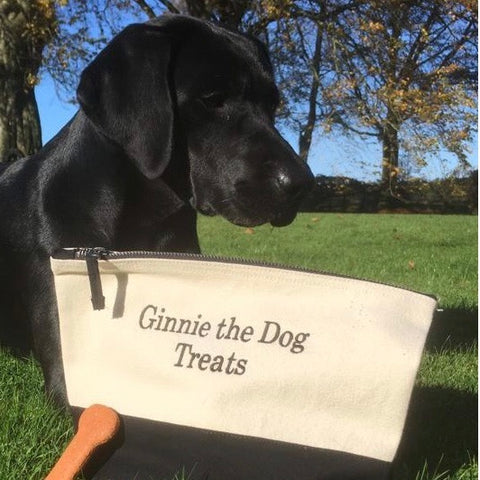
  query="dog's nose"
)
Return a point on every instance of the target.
[{"x": 296, "y": 183}]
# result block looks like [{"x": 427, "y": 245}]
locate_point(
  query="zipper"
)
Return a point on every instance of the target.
[{"x": 92, "y": 255}]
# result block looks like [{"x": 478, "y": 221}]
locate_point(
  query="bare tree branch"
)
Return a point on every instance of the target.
[{"x": 146, "y": 8}]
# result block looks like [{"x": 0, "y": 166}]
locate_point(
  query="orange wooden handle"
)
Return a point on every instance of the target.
[{"x": 97, "y": 425}]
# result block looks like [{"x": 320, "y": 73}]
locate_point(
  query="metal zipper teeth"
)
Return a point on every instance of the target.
[{"x": 104, "y": 254}]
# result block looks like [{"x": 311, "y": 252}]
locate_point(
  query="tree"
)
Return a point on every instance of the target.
[
  {"x": 26, "y": 26},
  {"x": 405, "y": 73},
  {"x": 401, "y": 72}
]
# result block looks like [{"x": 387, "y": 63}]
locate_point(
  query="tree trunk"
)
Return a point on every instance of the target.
[
  {"x": 20, "y": 132},
  {"x": 25, "y": 28},
  {"x": 306, "y": 132},
  {"x": 390, "y": 150}
]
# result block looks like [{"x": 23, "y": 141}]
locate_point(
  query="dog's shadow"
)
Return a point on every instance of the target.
[{"x": 442, "y": 423}]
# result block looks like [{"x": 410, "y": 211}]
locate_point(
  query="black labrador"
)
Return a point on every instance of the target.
[{"x": 176, "y": 117}]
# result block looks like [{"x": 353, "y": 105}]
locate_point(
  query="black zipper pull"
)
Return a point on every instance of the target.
[{"x": 92, "y": 255}]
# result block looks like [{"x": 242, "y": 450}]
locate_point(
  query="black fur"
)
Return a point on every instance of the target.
[{"x": 176, "y": 117}]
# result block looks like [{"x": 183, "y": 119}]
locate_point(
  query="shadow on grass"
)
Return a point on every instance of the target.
[
  {"x": 441, "y": 429},
  {"x": 442, "y": 423},
  {"x": 452, "y": 329}
]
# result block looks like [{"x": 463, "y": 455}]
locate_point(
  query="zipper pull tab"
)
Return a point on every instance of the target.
[{"x": 92, "y": 255}]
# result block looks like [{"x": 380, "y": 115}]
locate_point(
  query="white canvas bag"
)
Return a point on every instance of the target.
[{"x": 229, "y": 370}]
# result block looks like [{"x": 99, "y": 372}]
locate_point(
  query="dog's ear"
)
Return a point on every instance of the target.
[{"x": 125, "y": 92}]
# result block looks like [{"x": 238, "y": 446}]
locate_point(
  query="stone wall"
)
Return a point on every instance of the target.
[{"x": 446, "y": 196}]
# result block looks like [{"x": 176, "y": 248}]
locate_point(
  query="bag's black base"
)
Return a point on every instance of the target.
[{"x": 159, "y": 451}]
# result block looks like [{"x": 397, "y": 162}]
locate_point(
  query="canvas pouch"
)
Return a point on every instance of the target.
[{"x": 231, "y": 370}]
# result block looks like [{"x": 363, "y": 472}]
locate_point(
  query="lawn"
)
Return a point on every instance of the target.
[{"x": 433, "y": 254}]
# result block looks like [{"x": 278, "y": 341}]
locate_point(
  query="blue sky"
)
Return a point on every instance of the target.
[{"x": 329, "y": 156}]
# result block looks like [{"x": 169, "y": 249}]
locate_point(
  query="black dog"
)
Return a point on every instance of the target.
[{"x": 176, "y": 117}]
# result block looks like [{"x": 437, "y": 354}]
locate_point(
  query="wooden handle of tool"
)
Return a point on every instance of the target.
[{"x": 97, "y": 425}]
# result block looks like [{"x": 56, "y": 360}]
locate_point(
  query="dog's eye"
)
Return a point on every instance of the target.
[{"x": 213, "y": 100}]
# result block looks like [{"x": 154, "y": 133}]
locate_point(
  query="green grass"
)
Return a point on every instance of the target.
[
  {"x": 378, "y": 247},
  {"x": 434, "y": 254},
  {"x": 32, "y": 432}
]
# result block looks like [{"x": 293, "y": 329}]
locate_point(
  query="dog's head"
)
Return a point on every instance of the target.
[{"x": 178, "y": 79}]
